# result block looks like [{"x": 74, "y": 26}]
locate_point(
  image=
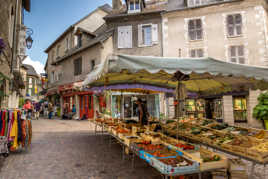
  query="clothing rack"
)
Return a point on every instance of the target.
[{"x": 15, "y": 132}]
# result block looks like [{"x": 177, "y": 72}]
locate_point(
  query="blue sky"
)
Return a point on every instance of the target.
[{"x": 50, "y": 18}]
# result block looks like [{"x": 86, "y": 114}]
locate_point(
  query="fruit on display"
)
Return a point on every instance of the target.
[
  {"x": 185, "y": 146},
  {"x": 260, "y": 135},
  {"x": 220, "y": 126},
  {"x": 212, "y": 159},
  {"x": 261, "y": 147},
  {"x": 206, "y": 122},
  {"x": 121, "y": 130},
  {"x": 196, "y": 131},
  {"x": 176, "y": 162}
]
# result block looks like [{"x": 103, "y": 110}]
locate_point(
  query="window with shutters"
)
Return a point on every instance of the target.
[
  {"x": 234, "y": 25},
  {"x": 125, "y": 37},
  {"x": 237, "y": 54},
  {"x": 78, "y": 66},
  {"x": 147, "y": 34},
  {"x": 196, "y": 53},
  {"x": 195, "y": 29}
]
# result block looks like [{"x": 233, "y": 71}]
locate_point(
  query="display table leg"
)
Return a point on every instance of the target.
[
  {"x": 264, "y": 170},
  {"x": 95, "y": 129},
  {"x": 123, "y": 156},
  {"x": 200, "y": 175},
  {"x": 252, "y": 170},
  {"x": 133, "y": 160}
]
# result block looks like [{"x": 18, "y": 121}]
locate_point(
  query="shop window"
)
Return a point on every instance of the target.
[
  {"x": 78, "y": 66},
  {"x": 237, "y": 54},
  {"x": 240, "y": 109},
  {"x": 195, "y": 108},
  {"x": 195, "y": 29},
  {"x": 196, "y": 53},
  {"x": 234, "y": 25}
]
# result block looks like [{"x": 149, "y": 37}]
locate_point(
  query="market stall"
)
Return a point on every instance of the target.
[{"x": 202, "y": 76}]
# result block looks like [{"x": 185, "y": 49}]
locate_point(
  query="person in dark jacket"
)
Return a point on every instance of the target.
[{"x": 142, "y": 112}]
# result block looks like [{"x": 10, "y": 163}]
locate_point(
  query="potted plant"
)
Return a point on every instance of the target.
[
  {"x": 260, "y": 112},
  {"x": 2, "y": 45}
]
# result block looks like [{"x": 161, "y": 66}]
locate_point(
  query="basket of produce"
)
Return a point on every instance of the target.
[
  {"x": 210, "y": 160},
  {"x": 260, "y": 152},
  {"x": 175, "y": 166}
]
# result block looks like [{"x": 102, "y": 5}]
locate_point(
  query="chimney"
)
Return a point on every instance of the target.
[{"x": 117, "y": 4}]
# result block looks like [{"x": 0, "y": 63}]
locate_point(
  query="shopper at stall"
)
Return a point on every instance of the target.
[{"x": 142, "y": 112}]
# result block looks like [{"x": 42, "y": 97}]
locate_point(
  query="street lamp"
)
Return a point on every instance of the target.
[{"x": 29, "y": 40}]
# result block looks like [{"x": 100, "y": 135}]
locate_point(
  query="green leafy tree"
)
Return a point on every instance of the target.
[{"x": 260, "y": 112}]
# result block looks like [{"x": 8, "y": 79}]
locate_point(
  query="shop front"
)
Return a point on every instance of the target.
[
  {"x": 124, "y": 105},
  {"x": 86, "y": 105}
]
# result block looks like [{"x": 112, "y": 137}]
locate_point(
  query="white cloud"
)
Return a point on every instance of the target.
[{"x": 38, "y": 66}]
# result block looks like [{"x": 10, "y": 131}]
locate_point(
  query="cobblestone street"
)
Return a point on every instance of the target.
[{"x": 68, "y": 150}]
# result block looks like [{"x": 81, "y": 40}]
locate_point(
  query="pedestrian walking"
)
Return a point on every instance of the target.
[
  {"x": 28, "y": 107},
  {"x": 37, "y": 108},
  {"x": 50, "y": 110}
]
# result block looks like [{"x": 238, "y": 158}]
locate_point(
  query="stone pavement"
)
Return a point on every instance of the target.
[{"x": 70, "y": 150}]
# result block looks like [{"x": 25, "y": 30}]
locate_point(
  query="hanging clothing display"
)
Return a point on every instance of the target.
[{"x": 16, "y": 128}]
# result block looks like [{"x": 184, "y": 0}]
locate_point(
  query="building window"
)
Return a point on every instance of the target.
[
  {"x": 192, "y": 3},
  {"x": 92, "y": 65},
  {"x": 67, "y": 43},
  {"x": 58, "y": 51},
  {"x": 240, "y": 109},
  {"x": 30, "y": 81},
  {"x": 237, "y": 54},
  {"x": 196, "y": 53},
  {"x": 125, "y": 37},
  {"x": 147, "y": 34},
  {"x": 52, "y": 55},
  {"x": 134, "y": 6},
  {"x": 52, "y": 77},
  {"x": 195, "y": 29},
  {"x": 78, "y": 66},
  {"x": 234, "y": 25},
  {"x": 79, "y": 40}
]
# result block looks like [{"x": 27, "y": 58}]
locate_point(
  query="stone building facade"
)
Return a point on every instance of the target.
[
  {"x": 75, "y": 54},
  {"x": 32, "y": 83},
  {"x": 137, "y": 31},
  {"x": 230, "y": 30},
  {"x": 11, "y": 26}
]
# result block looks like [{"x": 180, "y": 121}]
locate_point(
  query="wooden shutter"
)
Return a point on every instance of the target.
[
  {"x": 128, "y": 37},
  {"x": 155, "y": 34},
  {"x": 140, "y": 37},
  {"x": 121, "y": 34}
]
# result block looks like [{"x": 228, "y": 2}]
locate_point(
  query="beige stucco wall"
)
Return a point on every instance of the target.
[
  {"x": 94, "y": 21},
  {"x": 90, "y": 23},
  {"x": 215, "y": 41}
]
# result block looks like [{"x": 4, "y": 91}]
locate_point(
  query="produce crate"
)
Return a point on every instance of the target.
[
  {"x": 170, "y": 170},
  {"x": 128, "y": 140}
]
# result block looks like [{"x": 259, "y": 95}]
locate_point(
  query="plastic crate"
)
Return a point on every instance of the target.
[{"x": 170, "y": 170}]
